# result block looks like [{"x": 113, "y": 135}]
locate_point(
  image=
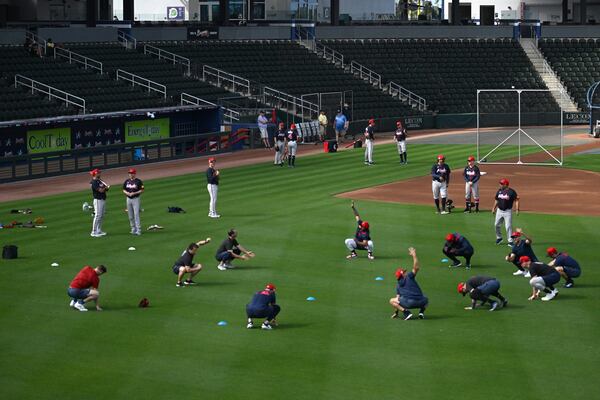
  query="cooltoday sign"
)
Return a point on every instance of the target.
[
  {"x": 151, "y": 129},
  {"x": 175, "y": 13},
  {"x": 47, "y": 140}
]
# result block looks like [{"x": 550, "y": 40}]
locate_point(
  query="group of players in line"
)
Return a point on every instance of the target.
[{"x": 480, "y": 289}]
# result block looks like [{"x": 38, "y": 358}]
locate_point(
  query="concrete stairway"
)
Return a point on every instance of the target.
[{"x": 559, "y": 92}]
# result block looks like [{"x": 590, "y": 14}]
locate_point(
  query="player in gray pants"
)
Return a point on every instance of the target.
[
  {"x": 133, "y": 188},
  {"x": 504, "y": 199},
  {"x": 99, "y": 189}
]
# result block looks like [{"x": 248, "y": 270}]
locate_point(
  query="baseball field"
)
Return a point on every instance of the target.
[{"x": 343, "y": 345}]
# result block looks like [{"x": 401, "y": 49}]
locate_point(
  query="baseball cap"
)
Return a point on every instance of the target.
[
  {"x": 461, "y": 287},
  {"x": 94, "y": 172},
  {"x": 504, "y": 182},
  {"x": 471, "y": 158},
  {"x": 400, "y": 273},
  {"x": 398, "y": 123},
  {"x": 293, "y": 126},
  {"x": 441, "y": 157},
  {"x": 281, "y": 124},
  {"x": 523, "y": 259},
  {"x": 551, "y": 251},
  {"x": 371, "y": 121},
  {"x": 449, "y": 237},
  {"x": 270, "y": 286},
  {"x": 365, "y": 225},
  {"x": 515, "y": 235},
  {"x": 132, "y": 171},
  {"x": 212, "y": 159}
]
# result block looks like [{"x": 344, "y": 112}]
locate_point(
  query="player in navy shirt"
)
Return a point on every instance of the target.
[
  {"x": 440, "y": 180},
  {"x": 400, "y": 136},
  {"x": 471, "y": 174},
  {"x": 481, "y": 288},
  {"x": 543, "y": 278},
  {"x": 292, "y": 145},
  {"x": 521, "y": 246},
  {"x": 504, "y": 200},
  {"x": 458, "y": 246},
  {"x": 409, "y": 294},
  {"x": 263, "y": 305},
  {"x": 566, "y": 265},
  {"x": 280, "y": 137},
  {"x": 362, "y": 238},
  {"x": 212, "y": 185}
]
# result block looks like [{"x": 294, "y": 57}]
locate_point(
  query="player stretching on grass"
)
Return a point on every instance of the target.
[
  {"x": 543, "y": 279},
  {"x": 362, "y": 238},
  {"x": 229, "y": 250},
  {"x": 408, "y": 290},
  {"x": 481, "y": 288},
  {"x": 263, "y": 305},
  {"x": 185, "y": 264},
  {"x": 566, "y": 265},
  {"x": 458, "y": 246},
  {"x": 84, "y": 287}
]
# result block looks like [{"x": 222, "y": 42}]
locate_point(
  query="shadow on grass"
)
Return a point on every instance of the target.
[
  {"x": 564, "y": 295},
  {"x": 201, "y": 284},
  {"x": 580, "y": 285},
  {"x": 291, "y": 325},
  {"x": 247, "y": 267}
]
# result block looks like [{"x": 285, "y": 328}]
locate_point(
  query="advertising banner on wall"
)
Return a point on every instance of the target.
[
  {"x": 175, "y": 13},
  {"x": 200, "y": 33},
  {"x": 48, "y": 140},
  {"x": 151, "y": 129}
]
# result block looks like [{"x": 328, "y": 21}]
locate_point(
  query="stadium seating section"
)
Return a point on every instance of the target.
[
  {"x": 447, "y": 73},
  {"x": 101, "y": 92},
  {"x": 577, "y": 63},
  {"x": 286, "y": 66}
]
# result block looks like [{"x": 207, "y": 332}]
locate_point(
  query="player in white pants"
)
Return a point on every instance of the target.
[
  {"x": 99, "y": 189},
  {"x": 440, "y": 179},
  {"x": 212, "y": 185},
  {"x": 471, "y": 175},
  {"x": 292, "y": 145},
  {"x": 400, "y": 136},
  {"x": 505, "y": 197},
  {"x": 362, "y": 238},
  {"x": 369, "y": 140},
  {"x": 280, "y": 145},
  {"x": 133, "y": 188}
]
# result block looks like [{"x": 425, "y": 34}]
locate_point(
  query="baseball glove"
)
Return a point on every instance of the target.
[
  {"x": 277, "y": 148},
  {"x": 144, "y": 303}
]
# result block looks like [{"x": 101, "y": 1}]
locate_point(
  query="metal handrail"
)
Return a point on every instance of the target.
[
  {"x": 127, "y": 40},
  {"x": 167, "y": 55},
  {"x": 308, "y": 38},
  {"x": 414, "y": 99},
  {"x": 51, "y": 91},
  {"x": 143, "y": 82},
  {"x": 295, "y": 104},
  {"x": 35, "y": 38},
  {"x": 365, "y": 73},
  {"x": 221, "y": 76},
  {"x": 78, "y": 58},
  {"x": 330, "y": 54},
  {"x": 232, "y": 115}
]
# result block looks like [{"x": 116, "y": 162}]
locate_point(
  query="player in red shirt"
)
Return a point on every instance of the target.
[{"x": 84, "y": 287}]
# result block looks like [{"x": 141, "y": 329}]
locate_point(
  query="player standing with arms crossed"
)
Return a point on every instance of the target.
[
  {"x": 471, "y": 175},
  {"x": 400, "y": 136},
  {"x": 99, "y": 189},
  {"x": 505, "y": 198},
  {"x": 133, "y": 188},
  {"x": 369, "y": 141},
  {"x": 292, "y": 145},
  {"x": 280, "y": 145},
  {"x": 440, "y": 180},
  {"x": 212, "y": 179}
]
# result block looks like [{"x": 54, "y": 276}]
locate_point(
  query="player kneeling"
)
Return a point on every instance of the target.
[
  {"x": 263, "y": 305},
  {"x": 543, "y": 278},
  {"x": 409, "y": 294},
  {"x": 481, "y": 288},
  {"x": 566, "y": 266}
]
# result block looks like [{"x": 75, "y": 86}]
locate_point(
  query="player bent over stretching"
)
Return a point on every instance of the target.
[
  {"x": 408, "y": 290},
  {"x": 362, "y": 238},
  {"x": 481, "y": 288},
  {"x": 458, "y": 246},
  {"x": 84, "y": 287},
  {"x": 263, "y": 305},
  {"x": 543, "y": 278},
  {"x": 566, "y": 265},
  {"x": 185, "y": 264}
]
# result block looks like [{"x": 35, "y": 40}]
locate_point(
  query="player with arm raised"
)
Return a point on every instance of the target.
[
  {"x": 409, "y": 294},
  {"x": 362, "y": 238},
  {"x": 185, "y": 263}
]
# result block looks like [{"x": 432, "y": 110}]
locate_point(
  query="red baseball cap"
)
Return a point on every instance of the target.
[
  {"x": 449, "y": 237},
  {"x": 212, "y": 159},
  {"x": 365, "y": 225},
  {"x": 400, "y": 273},
  {"x": 132, "y": 171},
  {"x": 293, "y": 126},
  {"x": 95, "y": 172},
  {"x": 371, "y": 121},
  {"x": 504, "y": 182},
  {"x": 515, "y": 235},
  {"x": 523, "y": 259},
  {"x": 270, "y": 286},
  {"x": 398, "y": 123},
  {"x": 441, "y": 157},
  {"x": 471, "y": 158},
  {"x": 551, "y": 251},
  {"x": 461, "y": 286}
]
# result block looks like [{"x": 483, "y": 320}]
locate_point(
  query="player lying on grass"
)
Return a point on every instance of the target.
[
  {"x": 84, "y": 287},
  {"x": 481, "y": 288},
  {"x": 409, "y": 294},
  {"x": 362, "y": 237},
  {"x": 458, "y": 246},
  {"x": 521, "y": 246},
  {"x": 543, "y": 279},
  {"x": 229, "y": 250},
  {"x": 566, "y": 265},
  {"x": 185, "y": 264},
  {"x": 263, "y": 305}
]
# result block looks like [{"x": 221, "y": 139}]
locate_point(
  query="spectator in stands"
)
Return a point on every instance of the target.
[
  {"x": 49, "y": 48},
  {"x": 340, "y": 126},
  {"x": 322, "y": 127},
  {"x": 262, "y": 122}
]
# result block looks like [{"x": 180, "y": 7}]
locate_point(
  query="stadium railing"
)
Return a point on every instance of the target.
[
  {"x": 168, "y": 56},
  {"x": 137, "y": 80},
  {"x": 50, "y": 91},
  {"x": 78, "y": 58}
]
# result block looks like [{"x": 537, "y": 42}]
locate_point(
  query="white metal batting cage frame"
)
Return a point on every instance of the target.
[{"x": 520, "y": 132}]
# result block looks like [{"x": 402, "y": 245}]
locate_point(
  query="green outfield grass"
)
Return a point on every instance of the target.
[{"x": 341, "y": 346}]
